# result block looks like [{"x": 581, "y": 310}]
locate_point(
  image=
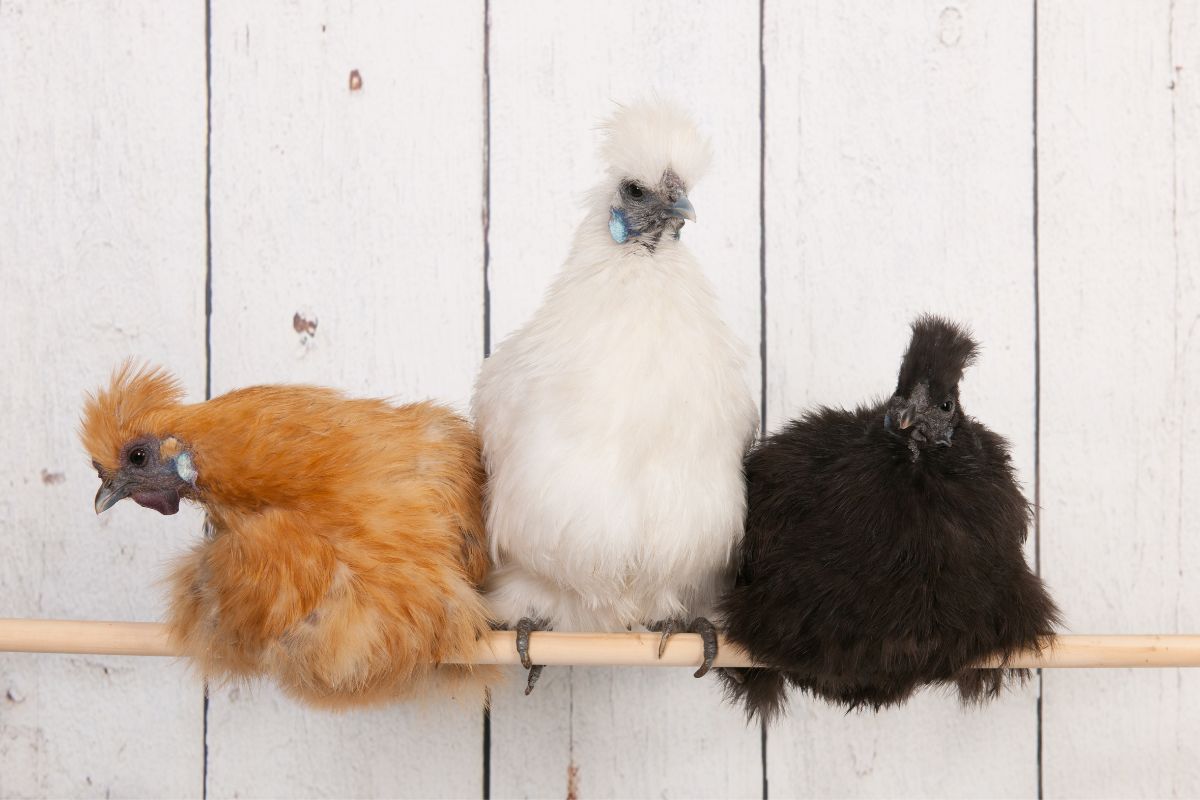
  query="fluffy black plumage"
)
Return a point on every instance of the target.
[{"x": 883, "y": 548}]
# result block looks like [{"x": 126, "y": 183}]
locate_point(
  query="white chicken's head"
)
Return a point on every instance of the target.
[{"x": 654, "y": 155}]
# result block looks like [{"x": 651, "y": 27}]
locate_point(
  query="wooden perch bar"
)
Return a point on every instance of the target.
[{"x": 593, "y": 649}]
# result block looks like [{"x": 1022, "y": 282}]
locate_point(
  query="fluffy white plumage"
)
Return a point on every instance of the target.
[{"x": 615, "y": 421}]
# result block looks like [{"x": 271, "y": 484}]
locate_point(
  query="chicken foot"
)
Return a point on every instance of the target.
[
  {"x": 699, "y": 625},
  {"x": 526, "y": 626}
]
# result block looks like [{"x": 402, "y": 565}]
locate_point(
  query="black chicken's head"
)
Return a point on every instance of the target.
[{"x": 925, "y": 407}]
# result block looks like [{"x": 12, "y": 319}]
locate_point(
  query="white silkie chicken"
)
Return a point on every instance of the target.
[{"x": 615, "y": 421}]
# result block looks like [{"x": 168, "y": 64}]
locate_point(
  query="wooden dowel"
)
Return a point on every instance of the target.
[
  {"x": 606, "y": 649},
  {"x": 94, "y": 638},
  {"x": 595, "y": 649},
  {"x": 684, "y": 650}
]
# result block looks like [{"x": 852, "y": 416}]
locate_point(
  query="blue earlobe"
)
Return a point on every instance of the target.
[
  {"x": 618, "y": 227},
  {"x": 184, "y": 468}
]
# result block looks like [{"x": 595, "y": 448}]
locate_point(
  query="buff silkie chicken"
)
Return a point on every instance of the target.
[
  {"x": 883, "y": 548},
  {"x": 344, "y": 542},
  {"x": 615, "y": 421}
]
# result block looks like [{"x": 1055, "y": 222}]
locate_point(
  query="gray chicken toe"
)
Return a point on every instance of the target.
[
  {"x": 708, "y": 634},
  {"x": 526, "y": 626}
]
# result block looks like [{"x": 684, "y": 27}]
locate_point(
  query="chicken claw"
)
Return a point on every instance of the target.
[
  {"x": 699, "y": 625},
  {"x": 535, "y": 672},
  {"x": 708, "y": 634},
  {"x": 666, "y": 627},
  {"x": 526, "y": 626}
]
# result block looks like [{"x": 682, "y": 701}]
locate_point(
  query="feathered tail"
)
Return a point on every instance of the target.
[
  {"x": 762, "y": 692},
  {"x": 977, "y": 686},
  {"x": 1031, "y": 620}
]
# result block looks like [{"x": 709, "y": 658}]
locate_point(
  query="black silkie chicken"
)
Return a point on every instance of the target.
[{"x": 883, "y": 548}]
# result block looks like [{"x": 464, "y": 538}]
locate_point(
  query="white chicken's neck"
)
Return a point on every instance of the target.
[{"x": 593, "y": 252}]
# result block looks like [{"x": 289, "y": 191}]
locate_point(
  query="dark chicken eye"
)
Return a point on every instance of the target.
[
  {"x": 947, "y": 406},
  {"x": 137, "y": 456},
  {"x": 634, "y": 191}
]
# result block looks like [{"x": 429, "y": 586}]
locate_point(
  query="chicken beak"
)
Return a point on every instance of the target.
[
  {"x": 110, "y": 493},
  {"x": 906, "y": 419},
  {"x": 683, "y": 209}
]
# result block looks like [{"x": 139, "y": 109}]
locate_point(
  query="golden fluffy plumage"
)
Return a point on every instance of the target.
[{"x": 345, "y": 544}]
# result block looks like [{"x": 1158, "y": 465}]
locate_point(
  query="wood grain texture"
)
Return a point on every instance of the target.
[
  {"x": 899, "y": 179},
  {"x": 101, "y": 257},
  {"x": 556, "y": 70},
  {"x": 348, "y": 251},
  {"x": 1119, "y": 186}
]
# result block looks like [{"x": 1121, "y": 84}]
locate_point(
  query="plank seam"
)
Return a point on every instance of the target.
[
  {"x": 1037, "y": 392},
  {"x": 208, "y": 296},
  {"x": 762, "y": 280},
  {"x": 487, "y": 177},
  {"x": 485, "y": 221},
  {"x": 762, "y": 218},
  {"x": 1175, "y": 233}
]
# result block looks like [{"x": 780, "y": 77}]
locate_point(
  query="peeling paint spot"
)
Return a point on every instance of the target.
[
  {"x": 304, "y": 322},
  {"x": 355, "y": 80},
  {"x": 572, "y": 782},
  {"x": 53, "y": 478},
  {"x": 14, "y": 696},
  {"x": 303, "y": 325},
  {"x": 950, "y": 26}
]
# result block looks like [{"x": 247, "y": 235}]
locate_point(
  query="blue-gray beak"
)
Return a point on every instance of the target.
[
  {"x": 111, "y": 492},
  {"x": 683, "y": 209}
]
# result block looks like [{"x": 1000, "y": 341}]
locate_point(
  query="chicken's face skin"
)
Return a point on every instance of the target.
[
  {"x": 642, "y": 213},
  {"x": 154, "y": 473},
  {"x": 925, "y": 418}
]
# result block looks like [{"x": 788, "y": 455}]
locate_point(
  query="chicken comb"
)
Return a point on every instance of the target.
[
  {"x": 113, "y": 416},
  {"x": 938, "y": 352}
]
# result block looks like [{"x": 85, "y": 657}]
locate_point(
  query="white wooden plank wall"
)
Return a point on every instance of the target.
[
  {"x": 1119, "y": 198},
  {"x": 101, "y": 257},
  {"x": 895, "y": 163}
]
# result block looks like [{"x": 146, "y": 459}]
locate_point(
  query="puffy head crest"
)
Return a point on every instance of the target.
[
  {"x": 125, "y": 410},
  {"x": 938, "y": 353},
  {"x": 645, "y": 139}
]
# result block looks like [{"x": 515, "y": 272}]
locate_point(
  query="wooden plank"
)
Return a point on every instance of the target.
[
  {"x": 899, "y": 179},
  {"x": 347, "y": 250},
  {"x": 1119, "y": 234},
  {"x": 102, "y": 257},
  {"x": 556, "y": 70}
]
